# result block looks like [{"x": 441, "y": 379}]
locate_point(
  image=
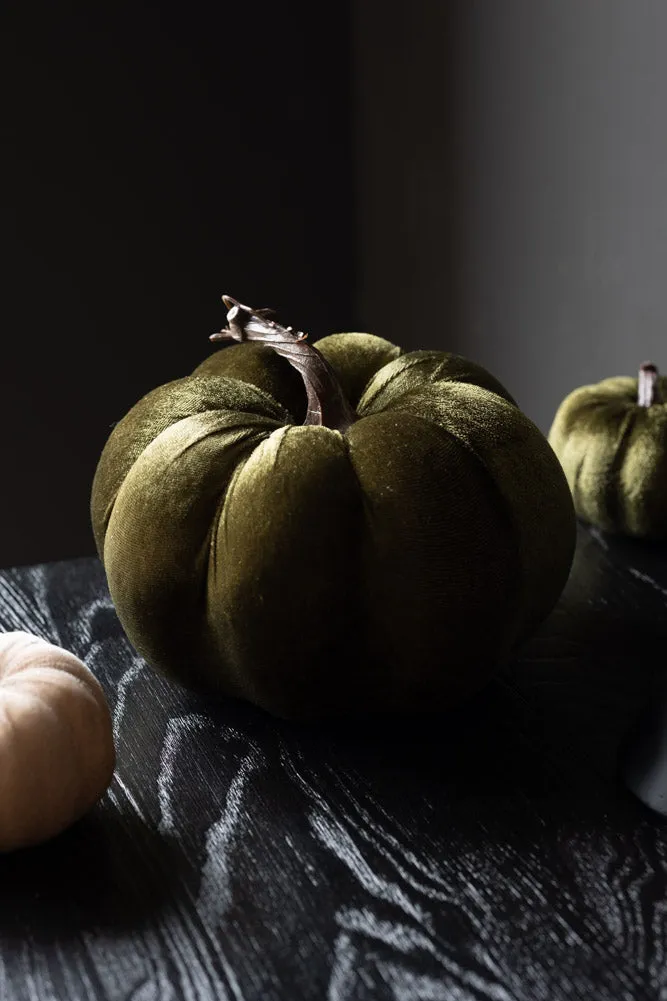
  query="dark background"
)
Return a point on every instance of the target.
[
  {"x": 487, "y": 178},
  {"x": 154, "y": 156},
  {"x": 512, "y": 185}
]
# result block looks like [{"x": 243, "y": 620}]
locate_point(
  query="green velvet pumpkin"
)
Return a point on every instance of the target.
[
  {"x": 388, "y": 562},
  {"x": 611, "y": 439}
]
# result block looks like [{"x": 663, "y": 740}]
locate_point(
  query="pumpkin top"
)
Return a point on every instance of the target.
[
  {"x": 603, "y": 406},
  {"x": 339, "y": 371},
  {"x": 256, "y": 385}
]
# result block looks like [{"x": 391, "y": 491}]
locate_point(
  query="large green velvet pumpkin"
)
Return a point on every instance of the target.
[
  {"x": 333, "y": 530},
  {"x": 611, "y": 439}
]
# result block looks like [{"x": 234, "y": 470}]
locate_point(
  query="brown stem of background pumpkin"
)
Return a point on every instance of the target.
[
  {"x": 647, "y": 385},
  {"x": 327, "y": 404}
]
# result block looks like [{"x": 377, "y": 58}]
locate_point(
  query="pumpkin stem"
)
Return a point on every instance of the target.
[
  {"x": 647, "y": 385},
  {"x": 327, "y": 404}
]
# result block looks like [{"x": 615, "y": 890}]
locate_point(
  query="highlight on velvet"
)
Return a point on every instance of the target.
[
  {"x": 335, "y": 528},
  {"x": 611, "y": 439}
]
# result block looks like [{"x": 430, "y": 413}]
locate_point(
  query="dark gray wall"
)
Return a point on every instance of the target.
[
  {"x": 153, "y": 156},
  {"x": 513, "y": 185},
  {"x": 511, "y": 165}
]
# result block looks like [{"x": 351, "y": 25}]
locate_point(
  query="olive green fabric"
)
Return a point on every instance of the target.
[
  {"x": 614, "y": 454},
  {"x": 419, "y": 368},
  {"x": 356, "y": 358},
  {"x": 263, "y": 368},
  {"x": 154, "y": 413},
  {"x": 392, "y": 567}
]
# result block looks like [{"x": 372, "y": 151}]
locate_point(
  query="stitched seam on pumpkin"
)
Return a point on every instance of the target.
[
  {"x": 210, "y": 558},
  {"x": 435, "y": 376},
  {"x": 421, "y": 360},
  {"x": 281, "y": 442},
  {"x": 613, "y": 501},
  {"x": 249, "y": 427},
  {"x": 367, "y": 507},
  {"x": 509, "y": 515},
  {"x": 366, "y": 513},
  {"x": 208, "y": 380},
  {"x": 226, "y": 493},
  {"x": 263, "y": 395},
  {"x": 253, "y": 422},
  {"x": 577, "y": 477},
  {"x": 204, "y": 551}
]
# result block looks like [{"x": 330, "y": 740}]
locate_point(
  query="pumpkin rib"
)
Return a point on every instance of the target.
[
  {"x": 412, "y": 360},
  {"x": 644, "y": 475},
  {"x": 134, "y": 433},
  {"x": 407, "y": 362},
  {"x": 213, "y": 567},
  {"x": 271, "y": 649},
  {"x": 226, "y": 494},
  {"x": 170, "y": 429},
  {"x": 173, "y": 527},
  {"x": 241, "y": 362},
  {"x": 518, "y": 572},
  {"x": 577, "y": 478},
  {"x": 612, "y": 502},
  {"x": 356, "y": 358},
  {"x": 226, "y": 497},
  {"x": 549, "y": 464},
  {"x": 212, "y": 557},
  {"x": 421, "y": 591}
]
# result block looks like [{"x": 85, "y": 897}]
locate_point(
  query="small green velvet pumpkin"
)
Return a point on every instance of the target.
[
  {"x": 330, "y": 530},
  {"x": 611, "y": 439}
]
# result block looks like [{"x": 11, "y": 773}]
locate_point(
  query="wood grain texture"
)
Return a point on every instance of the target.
[{"x": 487, "y": 855}]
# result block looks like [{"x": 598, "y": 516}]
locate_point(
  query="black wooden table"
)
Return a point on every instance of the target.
[{"x": 488, "y": 854}]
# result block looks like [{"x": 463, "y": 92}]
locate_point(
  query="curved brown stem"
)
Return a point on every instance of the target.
[
  {"x": 327, "y": 404},
  {"x": 648, "y": 392}
]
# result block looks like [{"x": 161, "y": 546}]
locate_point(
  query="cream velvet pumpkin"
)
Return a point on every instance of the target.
[{"x": 56, "y": 745}]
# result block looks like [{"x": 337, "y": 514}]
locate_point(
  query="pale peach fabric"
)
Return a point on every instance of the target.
[{"x": 56, "y": 742}]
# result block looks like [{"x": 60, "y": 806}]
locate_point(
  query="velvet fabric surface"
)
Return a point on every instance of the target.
[
  {"x": 313, "y": 572},
  {"x": 614, "y": 454}
]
